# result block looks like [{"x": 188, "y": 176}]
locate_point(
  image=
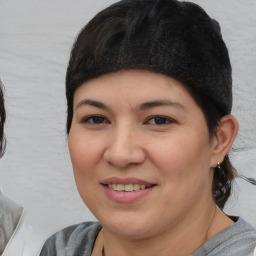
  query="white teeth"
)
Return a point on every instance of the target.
[
  {"x": 119, "y": 187},
  {"x": 127, "y": 187},
  {"x": 136, "y": 186},
  {"x": 142, "y": 186}
]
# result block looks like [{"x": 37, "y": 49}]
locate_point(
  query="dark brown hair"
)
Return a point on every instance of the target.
[{"x": 2, "y": 120}]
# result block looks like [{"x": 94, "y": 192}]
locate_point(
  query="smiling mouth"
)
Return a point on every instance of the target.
[{"x": 127, "y": 187}]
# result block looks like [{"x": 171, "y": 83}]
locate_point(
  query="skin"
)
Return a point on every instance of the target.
[{"x": 166, "y": 143}]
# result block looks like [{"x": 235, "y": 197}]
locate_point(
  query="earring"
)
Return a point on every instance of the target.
[{"x": 218, "y": 165}]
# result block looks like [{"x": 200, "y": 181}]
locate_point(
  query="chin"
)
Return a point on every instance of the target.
[{"x": 128, "y": 227}]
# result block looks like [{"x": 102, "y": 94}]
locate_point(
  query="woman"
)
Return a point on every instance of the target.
[
  {"x": 10, "y": 212},
  {"x": 149, "y": 93}
]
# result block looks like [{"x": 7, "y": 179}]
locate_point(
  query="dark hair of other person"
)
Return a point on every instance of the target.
[{"x": 2, "y": 120}]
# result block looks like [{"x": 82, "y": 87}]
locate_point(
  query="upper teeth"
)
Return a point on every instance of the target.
[{"x": 127, "y": 187}]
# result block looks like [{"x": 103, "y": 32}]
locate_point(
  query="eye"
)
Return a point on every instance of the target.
[
  {"x": 95, "y": 120},
  {"x": 160, "y": 120}
]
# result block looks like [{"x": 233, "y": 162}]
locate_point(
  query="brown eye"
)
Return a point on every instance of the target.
[
  {"x": 160, "y": 120},
  {"x": 95, "y": 120}
]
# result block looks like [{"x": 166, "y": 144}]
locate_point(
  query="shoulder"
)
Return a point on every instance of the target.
[
  {"x": 10, "y": 217},
  {"x": 73, "y": 240},
  {"x": 236, "y": 240}
]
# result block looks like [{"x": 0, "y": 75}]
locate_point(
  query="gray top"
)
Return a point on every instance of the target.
[{"x": 78, "y": 240}]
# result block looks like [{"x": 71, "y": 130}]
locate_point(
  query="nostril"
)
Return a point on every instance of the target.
[
  {"x": 124, "y": 157},
  {"x": 124, "y": 147}
]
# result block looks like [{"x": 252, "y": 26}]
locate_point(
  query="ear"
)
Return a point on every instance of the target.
[{"x": 224, "y": 138}]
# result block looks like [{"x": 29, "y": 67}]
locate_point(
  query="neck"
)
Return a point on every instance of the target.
[{"x": 192, "y": 232}]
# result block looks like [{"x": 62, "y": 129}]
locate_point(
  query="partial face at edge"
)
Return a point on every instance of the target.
[{"x": 140, "y": 127}]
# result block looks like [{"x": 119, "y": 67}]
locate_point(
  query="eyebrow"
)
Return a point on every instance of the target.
[
  {"x": 143, "y": 106},
  {"x": 158, "y": 103},
  {"x": 93, "y": 103}
]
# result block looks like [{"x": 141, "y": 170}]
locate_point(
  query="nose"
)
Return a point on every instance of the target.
[{"x": 125, "y": 148}]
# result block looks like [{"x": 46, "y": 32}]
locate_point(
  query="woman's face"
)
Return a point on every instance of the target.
[{"x": 141, "y": 152}]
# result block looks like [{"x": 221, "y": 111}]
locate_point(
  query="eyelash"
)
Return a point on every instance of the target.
[
  {"x": 93, "y": 117},
  {"x": 163, "y": 120}
]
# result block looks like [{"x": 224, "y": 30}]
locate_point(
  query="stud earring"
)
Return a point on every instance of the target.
[{"x": 218, "y": 165}]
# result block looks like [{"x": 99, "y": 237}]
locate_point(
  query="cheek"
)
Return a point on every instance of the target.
[
  {"x": 182, "y": 159},
  {"x": 183, "y": 166},
  {"x": 84, "y": 152},
  {"x": 85, "y": 156}
]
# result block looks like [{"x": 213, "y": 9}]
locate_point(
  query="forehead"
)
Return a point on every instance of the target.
[{"x": 133, "y": 85}]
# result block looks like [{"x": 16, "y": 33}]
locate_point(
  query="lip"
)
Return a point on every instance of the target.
[{"x": 123, "y": 196}]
